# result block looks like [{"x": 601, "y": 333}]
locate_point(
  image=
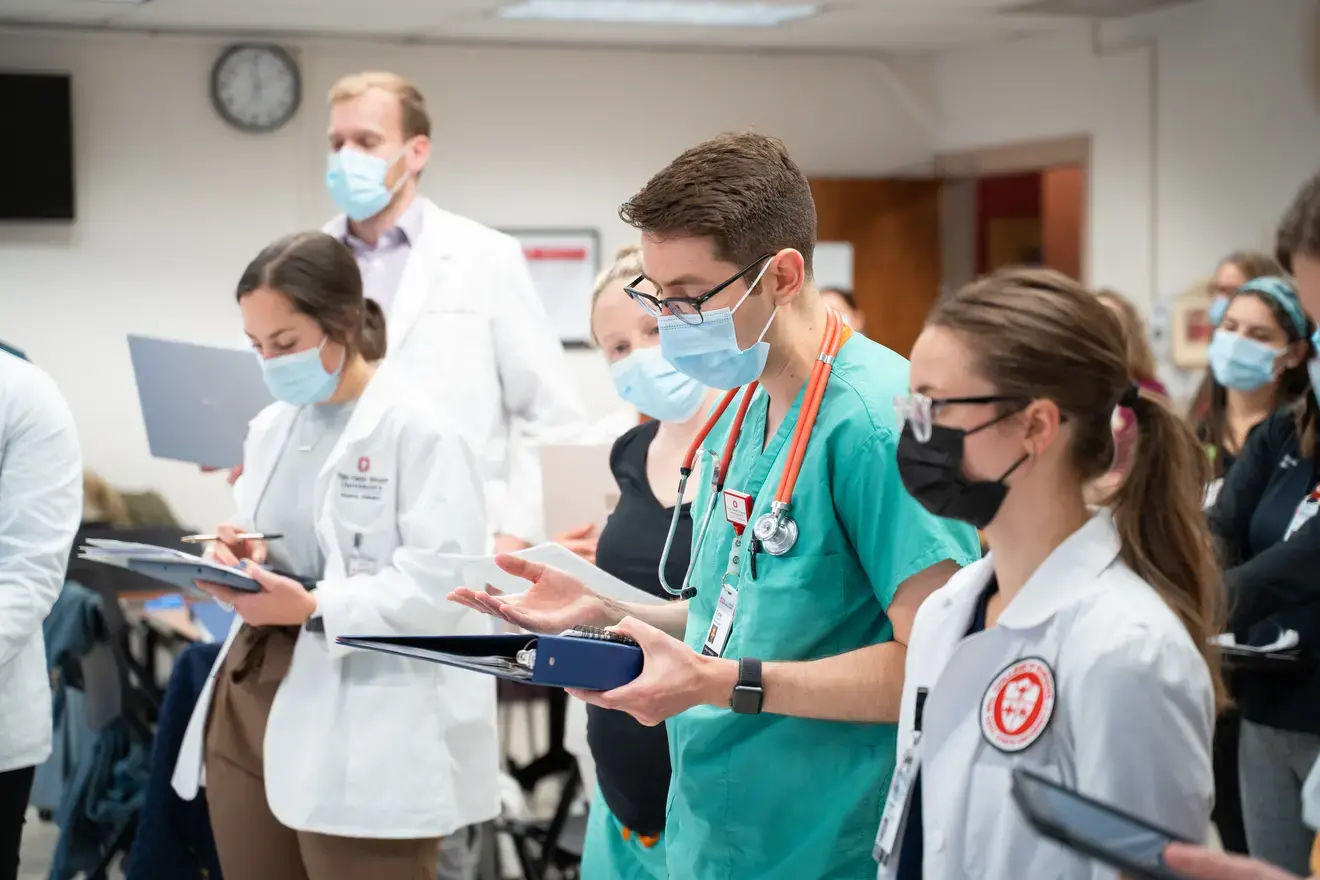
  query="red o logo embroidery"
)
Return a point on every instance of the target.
[
  {"x": 364, "y": 464},
  {"x": 1018, "y": 705}
]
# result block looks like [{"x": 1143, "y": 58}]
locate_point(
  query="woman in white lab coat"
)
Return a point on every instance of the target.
[
  {"x": 322, "y": 762},
  {"x": 1079, "y": 646}
]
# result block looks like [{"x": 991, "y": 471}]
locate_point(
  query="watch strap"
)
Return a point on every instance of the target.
[{"x": 749, "y": 692}]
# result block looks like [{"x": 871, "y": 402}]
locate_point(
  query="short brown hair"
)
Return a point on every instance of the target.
[
  {"x": 1140, "y": 358},
  {"x": 412, "y": 106},
  {"x": 1036, "y": 334},
  {"x": 319, "y": 276},
  {"x": 742, "y": 191},
  {"x": 1299, "y": 230}
]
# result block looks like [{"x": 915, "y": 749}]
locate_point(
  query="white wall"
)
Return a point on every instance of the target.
[
  {"x": 1199, "y": 137},
  {"x": 172, "y": 203},
  {"x": 1055, "y": 87}
]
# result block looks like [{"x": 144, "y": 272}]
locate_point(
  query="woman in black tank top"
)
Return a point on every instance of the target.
[{"x": 625, "y": 835}]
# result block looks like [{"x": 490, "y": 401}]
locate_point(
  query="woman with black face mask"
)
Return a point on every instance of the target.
[{"x": 1079, "y": 646}]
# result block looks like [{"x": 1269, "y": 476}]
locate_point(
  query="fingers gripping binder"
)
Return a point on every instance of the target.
[{"x": 585, "y": 658}]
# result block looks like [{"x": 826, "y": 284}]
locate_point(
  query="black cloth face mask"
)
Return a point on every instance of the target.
[{"x": 932, "y": 473}]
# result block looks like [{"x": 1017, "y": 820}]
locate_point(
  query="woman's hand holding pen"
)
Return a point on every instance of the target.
[
  {"x": 281, "y": 602},
  {"x": 231, "y": 548},
  {"x": 556, "y": 601}
]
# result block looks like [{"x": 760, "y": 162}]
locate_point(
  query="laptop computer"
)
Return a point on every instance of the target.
[{"x": 196, "y": 400}]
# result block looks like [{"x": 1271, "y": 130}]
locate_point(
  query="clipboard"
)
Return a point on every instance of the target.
[
  {"x": 584, "y": 658},
  {"x": 185, "y": 574}
]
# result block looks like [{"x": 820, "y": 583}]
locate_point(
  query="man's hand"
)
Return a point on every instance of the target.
[
  {"x": 234, "y": 473},
  {"x": 555, "y": 602},
  {"x": 1203, "y": 864},
  {"x": 281, "y": 602},
  {"x": 674, "y": 678},
  {"x": 509, "y": 544},
  {"x": 581, "y": 541}
]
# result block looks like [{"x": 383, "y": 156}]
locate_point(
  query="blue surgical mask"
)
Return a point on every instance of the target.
[
  {"x": 650, "y": 383},
  {"x": 1218, "y": 306},
  {"x": 709, "y": 352},
  {"x": 357, "y": 182},
  {"x": 1240, "y": 363},
  {"x": 299, "y": 378}
]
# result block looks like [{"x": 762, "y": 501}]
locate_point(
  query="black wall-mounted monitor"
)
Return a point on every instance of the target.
[{"x": 36, "y": 147}]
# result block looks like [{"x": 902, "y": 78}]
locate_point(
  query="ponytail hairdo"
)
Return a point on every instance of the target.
[{"x": 1037, "y": 334}]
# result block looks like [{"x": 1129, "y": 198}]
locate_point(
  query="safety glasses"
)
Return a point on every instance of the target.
[
  {"x": 919, "y": 411},
  {"x": 686, "y": 308}
]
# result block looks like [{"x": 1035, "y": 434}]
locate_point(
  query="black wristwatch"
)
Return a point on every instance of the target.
[{"x": 748, "y": 693}]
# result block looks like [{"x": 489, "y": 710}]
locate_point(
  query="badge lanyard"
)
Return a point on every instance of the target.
[
  {"x": 775, "y": 531},
  {"x": 738, "y": 511},
  {"x": 1305, "y": 512},
  {"x": 895, "y": 817}
]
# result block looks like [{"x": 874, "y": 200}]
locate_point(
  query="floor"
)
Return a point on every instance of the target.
[{"x": 524, "y": 729}]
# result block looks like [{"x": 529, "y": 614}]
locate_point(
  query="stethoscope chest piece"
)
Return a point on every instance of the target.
[{"x": 776, "y": 533}]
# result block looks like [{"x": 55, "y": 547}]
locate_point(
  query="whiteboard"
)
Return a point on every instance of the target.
[
  {"x": 833, "y": 264},
  {"x": 563, "y": 264}
]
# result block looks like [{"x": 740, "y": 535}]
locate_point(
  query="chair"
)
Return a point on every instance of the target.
[{"x": 554, "y": 845}]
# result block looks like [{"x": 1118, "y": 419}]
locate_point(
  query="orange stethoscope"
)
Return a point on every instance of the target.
[{"x": 775, "y": 531}]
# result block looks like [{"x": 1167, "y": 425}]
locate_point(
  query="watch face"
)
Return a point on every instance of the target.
[{"x": 256, "y": 87}]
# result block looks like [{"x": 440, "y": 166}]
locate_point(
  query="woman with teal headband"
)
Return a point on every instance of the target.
[{"x": 1258, "y": 363}]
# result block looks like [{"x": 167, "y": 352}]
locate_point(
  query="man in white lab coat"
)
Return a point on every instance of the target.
[
  {"x": 460, "y": 309},
  {"x": 461, "y": 312},
  {"x": 40, "y": 506}
]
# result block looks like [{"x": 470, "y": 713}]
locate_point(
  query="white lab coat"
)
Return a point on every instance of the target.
[
  {"x": 362, "y": 744},
  {"x": 474, "y": 335},
  {"x": 1131, "y": 725},
  {"x": 40, "y": 508}
]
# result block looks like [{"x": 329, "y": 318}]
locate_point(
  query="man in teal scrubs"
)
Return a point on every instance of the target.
[{"x": 785, "y": 780}]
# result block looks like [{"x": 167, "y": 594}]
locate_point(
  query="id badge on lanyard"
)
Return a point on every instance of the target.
[
  {"x": 1305, "y": 512},
  {"x": 898, "y": 804},
  {"x": 738, "y": 511}
]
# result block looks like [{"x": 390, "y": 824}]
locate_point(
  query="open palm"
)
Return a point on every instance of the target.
[{"x": 555, "y": 602}]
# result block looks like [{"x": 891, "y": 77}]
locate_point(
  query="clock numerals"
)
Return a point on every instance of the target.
[{"x": 256, "y": 87}]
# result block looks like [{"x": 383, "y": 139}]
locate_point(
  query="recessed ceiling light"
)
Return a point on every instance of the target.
[{"x": 707, "y": 13}]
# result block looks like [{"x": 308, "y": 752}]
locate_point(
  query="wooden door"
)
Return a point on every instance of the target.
[{"x": 894, "y": 228}]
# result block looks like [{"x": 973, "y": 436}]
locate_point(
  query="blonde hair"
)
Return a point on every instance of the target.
[
  {"x": 627, "y": 265},
  {"x": 412, "y": 106},
  {"x": 1140, "y": 357},
  {"x": 103, "y": 503}
]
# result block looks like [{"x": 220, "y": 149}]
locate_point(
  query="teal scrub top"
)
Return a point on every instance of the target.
[{"x": 769, "y": 796}]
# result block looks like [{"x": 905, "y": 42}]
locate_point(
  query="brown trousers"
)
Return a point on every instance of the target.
[{"x": 251, "y": 842}]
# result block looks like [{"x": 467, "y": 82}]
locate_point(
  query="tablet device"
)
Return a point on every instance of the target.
[
  {"x": 197, "y": 400},
  {"x": 1134, "y": 846}
]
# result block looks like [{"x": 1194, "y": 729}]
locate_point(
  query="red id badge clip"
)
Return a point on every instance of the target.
[{"x": 737, "y": 510}]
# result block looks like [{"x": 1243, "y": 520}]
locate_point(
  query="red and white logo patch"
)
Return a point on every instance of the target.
[
  {"x": 1018, "y": 705},
  {"x": 364, "y": 464}
]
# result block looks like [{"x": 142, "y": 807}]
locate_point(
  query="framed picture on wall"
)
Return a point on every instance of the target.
[
  {"x": 563, "y": 263},
  {"x": 1190, "y": 327}
]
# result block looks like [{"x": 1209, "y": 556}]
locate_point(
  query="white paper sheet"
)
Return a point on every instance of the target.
[{"x": 480, "y": 570}]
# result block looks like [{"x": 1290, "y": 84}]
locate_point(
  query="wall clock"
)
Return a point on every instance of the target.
[{"x": 256, "y": 87}]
